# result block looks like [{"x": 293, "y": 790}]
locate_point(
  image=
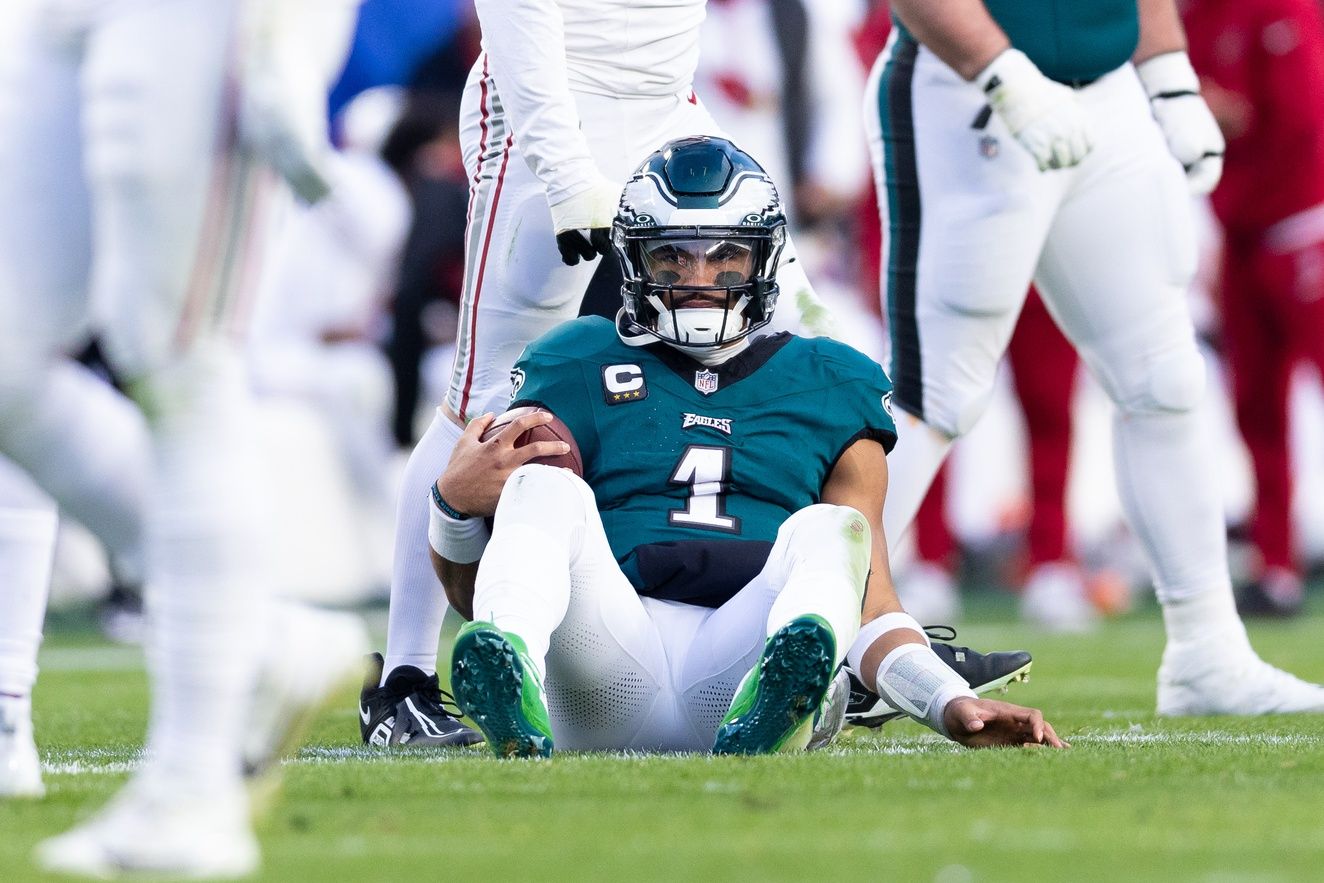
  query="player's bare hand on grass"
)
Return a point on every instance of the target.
[
  {"x": 478, "y": 469},
  {"x": 988, "y": 723}
]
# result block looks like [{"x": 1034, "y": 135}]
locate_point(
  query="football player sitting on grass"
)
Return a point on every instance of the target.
[{"x": 694, "y": 578}]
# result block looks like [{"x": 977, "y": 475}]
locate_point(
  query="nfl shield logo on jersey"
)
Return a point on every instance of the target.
[{"x": 705, "y": 382}]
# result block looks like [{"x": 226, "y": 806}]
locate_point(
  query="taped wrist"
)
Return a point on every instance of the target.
[
  {"x": 874, "y": 629},
  {"x": 913, "y": 679},
  {"x": 459, "y": 540}
]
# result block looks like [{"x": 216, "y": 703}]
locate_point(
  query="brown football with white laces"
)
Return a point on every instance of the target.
[{"x": 556, "y": 430}]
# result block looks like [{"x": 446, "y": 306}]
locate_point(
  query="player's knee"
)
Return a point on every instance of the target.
[
  {"x": 550, "y": 490},
  {"x": 840, "y": 532},
  {"x": 954, "y": 412},
  {"x": 1174, "y": 383}
]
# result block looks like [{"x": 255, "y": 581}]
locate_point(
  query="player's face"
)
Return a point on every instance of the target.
[{"x": 710, "y": 265}]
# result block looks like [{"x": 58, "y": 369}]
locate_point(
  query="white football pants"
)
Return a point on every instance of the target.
[
  {"x": 629, "y": 672},
  {"x": 27, "y": 545},
  {"x": 1110, "y": 244},
  {"x": 129, "y": 207}
]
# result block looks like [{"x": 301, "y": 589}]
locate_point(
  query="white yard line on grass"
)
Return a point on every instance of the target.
[
  {"x": 108, "y": 658},
  {"x": 103, "y": 762}
]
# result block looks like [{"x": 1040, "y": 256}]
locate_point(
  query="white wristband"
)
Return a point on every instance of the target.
[
  {"x": 874, "y": 629},
  {"x": 459, "y": 541},
  {"x": 913, "y": 679}
]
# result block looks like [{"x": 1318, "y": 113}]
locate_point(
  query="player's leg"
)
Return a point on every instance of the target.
[
  {"x": 177, "y": 209},
  {"x": 965, "y": 211},
  {"x": 44, "y": 260},
  {"x": 758, "y": 669},
  {"x": 1258, "y": 323},
  {"x": 1043, "y": 368},
  {"x": 551, "y": 607},
  {"x": 515, "y": 288},
  {"x": 88, "y": 447},
  {"x": 27, "y": 544},
  {"x": 1129, "y": 321},
  {"x": 167, "y": 200},
  {"x": 926, "y": 586}
]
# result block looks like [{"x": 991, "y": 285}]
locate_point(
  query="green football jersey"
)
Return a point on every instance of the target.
[
  {"x": 1071, "y": 40},
  {"x": 694, "y": 469}
]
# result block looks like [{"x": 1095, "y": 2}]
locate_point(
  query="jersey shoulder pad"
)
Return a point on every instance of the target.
[
  {"x": 578, "y": 339},
  {"x": 843, "y": 363}
]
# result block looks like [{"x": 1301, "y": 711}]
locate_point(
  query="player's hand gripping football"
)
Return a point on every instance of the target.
[
  {"x": 583, "y": 222},
  {"x": 1046, "y": 117},
  {"x": 478, "y": 469},
  {"x": 1192, "y": 133},
  {"x": 988, "y": 723},
  {"x": 290, "y": 50}
]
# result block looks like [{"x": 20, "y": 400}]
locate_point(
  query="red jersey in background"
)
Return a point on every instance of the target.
[{"x": 1262, "y": 66}]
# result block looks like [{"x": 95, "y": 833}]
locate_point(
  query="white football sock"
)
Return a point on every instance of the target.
[
  {"x": 207, "y": 595},
  {"x": 911, "y": 468},
  {"x": 87, "y": 446},
  {"x": 27, "y": 545},
  {"x": 1167, "y": 485},
  {"x": 523, "y": 583},
  {"x": 418, "y": 602}
]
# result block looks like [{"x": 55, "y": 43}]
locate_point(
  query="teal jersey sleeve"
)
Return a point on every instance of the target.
[
  {"x": 858, "y": 393},
  {"x": 554, "y": 372}
]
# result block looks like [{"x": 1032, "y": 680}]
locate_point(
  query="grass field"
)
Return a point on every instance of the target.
[{"x": 1136, "y": 798}]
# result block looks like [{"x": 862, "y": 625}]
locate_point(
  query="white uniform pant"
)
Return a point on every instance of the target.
[
  {"x": 120, "y": 117},
  {"x": 515, "y": 286},
  {"x": 971, "y": 220},
  {"x": 629, "y": 672}
]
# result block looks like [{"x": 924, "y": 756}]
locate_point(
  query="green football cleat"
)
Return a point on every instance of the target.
[
  {"x": 773, "y": 710},
  {"x": 497, "y": 687}
]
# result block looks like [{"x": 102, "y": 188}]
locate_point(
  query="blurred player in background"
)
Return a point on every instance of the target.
[
  {"x": 560, "y": 107},
  {"x": 100, "y": 479},
  {"x": 700, "y": 586},
  {"x": 1009, "y": 143},
  {"x": 134, "y": 171},
  {"x": 1261, "y": 64}
]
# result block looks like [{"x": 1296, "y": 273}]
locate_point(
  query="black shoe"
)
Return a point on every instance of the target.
[
  {"x": 1265, "y": 599},
  {"x": 984, "y": 672},
  {"x": 407, "y": 710}
]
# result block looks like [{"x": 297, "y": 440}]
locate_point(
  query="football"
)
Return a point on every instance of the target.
[{"x": 554, "y": 431}]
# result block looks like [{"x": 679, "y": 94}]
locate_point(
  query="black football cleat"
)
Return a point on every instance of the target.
[
  {"x": 408, "y": 710},
  {"x": 984, "y": 672}
]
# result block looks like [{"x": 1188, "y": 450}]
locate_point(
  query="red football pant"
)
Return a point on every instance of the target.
[{"x": 1273, "y": 315}]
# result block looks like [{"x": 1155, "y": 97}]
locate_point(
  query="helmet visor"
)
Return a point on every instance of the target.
[{"x": 699, "y": 264}]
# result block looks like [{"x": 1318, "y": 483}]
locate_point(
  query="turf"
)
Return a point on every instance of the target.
[{"x": 1136, "y": 798}]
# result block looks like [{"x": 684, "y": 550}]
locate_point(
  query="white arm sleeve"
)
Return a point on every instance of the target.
[{"x": 525, "y": 45}]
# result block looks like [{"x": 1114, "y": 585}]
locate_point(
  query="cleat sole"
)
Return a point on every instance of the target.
[
  {"x": 794, "y": 674},
  {"x": 487, "y": 679}
]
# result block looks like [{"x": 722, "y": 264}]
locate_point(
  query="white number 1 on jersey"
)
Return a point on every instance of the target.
[{"x": 706, "y": 471}]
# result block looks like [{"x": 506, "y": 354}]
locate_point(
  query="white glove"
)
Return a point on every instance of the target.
[
  {"x": 583, "y": 222},
  {"x": 291, "y": 49},
  {"x": 1046, "y": 117},
  {"x": 1193, "y": 135}
]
